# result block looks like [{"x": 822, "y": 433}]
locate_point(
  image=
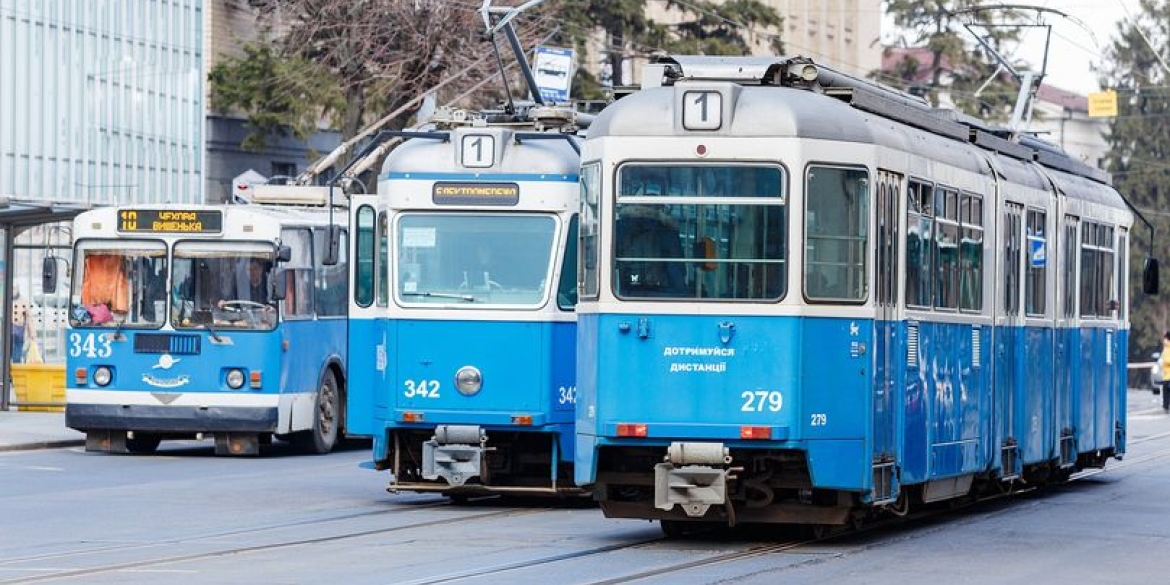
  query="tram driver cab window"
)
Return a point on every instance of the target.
[{"x": 647, "y": 241}]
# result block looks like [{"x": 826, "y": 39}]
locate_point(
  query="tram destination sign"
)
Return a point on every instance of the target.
[
  {"x": 167, "y": 221},
  {"x": 450, "y": 193}
]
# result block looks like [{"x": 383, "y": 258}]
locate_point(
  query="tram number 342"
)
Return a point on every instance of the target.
[{"x": 421, "y": 388}]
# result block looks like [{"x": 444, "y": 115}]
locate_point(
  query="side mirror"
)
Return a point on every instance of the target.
[
  {"x": 279, "y": 284},
  {"x": 49, "y": 274},
  {"x": 1150, "y": 276},
  {"x": 332, "y": 245},
  {"x": 283, "y": 253}
]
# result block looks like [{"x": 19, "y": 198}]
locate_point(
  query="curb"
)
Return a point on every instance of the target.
[{"x": 60, "y": 444}]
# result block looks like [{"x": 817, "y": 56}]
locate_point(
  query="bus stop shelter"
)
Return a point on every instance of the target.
[{"x": 16, "y": 216}]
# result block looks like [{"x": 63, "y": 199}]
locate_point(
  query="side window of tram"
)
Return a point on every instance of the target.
[
  {"x": 1097, "y": 258},
  {"x": 919, "y": 242},
  {"x": 383, "y": 260},
  {"x": 567, "y": 287},
  {"x": 946, "y": 249},
  {"x": 1035, "y": 288},
  {"x": 365, "y": 249},
  {"x": 971, "y": 252},
  {"x": 330, "y": 281},
  {"x": 1013, "y": 242},
  {"x": 836, "y": 233}
]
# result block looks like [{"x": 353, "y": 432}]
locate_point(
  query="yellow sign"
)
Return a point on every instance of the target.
[
  {"x": 1103, "y": 104},
  {"x": 448, "y": 193},
  {"x": 173, "y": 222}
]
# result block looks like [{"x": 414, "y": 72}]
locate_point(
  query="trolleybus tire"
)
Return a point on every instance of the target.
[{"x": 323, "y": 437}]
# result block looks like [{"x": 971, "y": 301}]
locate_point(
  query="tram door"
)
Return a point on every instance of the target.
[
  {"x": 889, "y": 189},
  {"x": 1010, "y": 339}
]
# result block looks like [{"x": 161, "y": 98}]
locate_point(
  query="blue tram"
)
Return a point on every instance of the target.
[
  {"x": 806, "y": 298},
  {"x": 205, "y": 321},
  {"x": 462, "y": 316}
]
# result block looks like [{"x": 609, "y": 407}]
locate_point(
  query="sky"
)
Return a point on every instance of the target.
[{"x": 1072, "y": 47}]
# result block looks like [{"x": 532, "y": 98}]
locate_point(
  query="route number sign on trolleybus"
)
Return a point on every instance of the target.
[{"x": 203, "y": 221}]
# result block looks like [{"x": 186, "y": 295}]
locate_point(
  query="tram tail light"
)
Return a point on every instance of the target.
[
  {"x": 412, "y": 417},
  {"x": 757, "y": 433},
  {"x": 524, "y": 420},
  {"x": 631, "y": 430},
  {"x": 80, "y": 376},
  {"x": 255, "y": 379}
]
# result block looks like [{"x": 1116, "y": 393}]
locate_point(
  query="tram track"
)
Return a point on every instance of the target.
[
  {"x": 502, "y": 570},
  {"x": 181, "y": 558}
]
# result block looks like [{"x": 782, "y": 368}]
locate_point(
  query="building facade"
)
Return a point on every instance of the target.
[
  {"x": 101, "y": 101},
  {"x": 843, "y": 34}
]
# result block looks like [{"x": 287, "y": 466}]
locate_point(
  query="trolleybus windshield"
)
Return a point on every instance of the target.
[
  {"x": 700, "y": 232},
  {"x": 474, "y": 259},
  {"x": 119, "y": 284},
  {"x": 222, "y": 285}
]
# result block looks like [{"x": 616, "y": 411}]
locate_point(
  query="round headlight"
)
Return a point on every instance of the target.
[
  {"x": 235, "y": 379},
  {"x": 102, "y": 376},
  {"x": 468, "y": 380}
]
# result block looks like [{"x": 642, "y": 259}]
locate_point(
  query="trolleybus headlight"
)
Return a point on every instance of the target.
[
  {"x": 102, "y": 376},
  {"x": 235, "y": 379},
  {"x": 468, "y": 380}
]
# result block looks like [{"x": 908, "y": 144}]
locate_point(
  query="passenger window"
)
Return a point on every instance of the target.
[
  {"x": 971, "y": 253},
  {"x": 1036, "y": 287},
  {"x": 567, "y": 288},
  {"x": 836, "y": 234},
  {"x": 919, "y": 229},
  {"x": 946, "y": 249},
  {"x": 330, "y": 283},
  {"x": 365, "y": 259},
  {"x": 298, "y": 300}
]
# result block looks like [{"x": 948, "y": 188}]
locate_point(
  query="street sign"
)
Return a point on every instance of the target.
[
  {"x": 553, "y": 69},
  {"x": 1103, "y": 104}
]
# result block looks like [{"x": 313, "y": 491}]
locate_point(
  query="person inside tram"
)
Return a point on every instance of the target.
[{"x": 648, "y": 239}]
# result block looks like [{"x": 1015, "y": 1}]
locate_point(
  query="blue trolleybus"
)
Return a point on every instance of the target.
[
  {"x": 205, "y": 321},
  {"x": 806, "y": 298},
  {"x": 462, "y": 317}
]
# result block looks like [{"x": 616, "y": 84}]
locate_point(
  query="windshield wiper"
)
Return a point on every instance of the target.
[
  {"x": 214, "y": 336},
  {"x": 467, "y": 298}
]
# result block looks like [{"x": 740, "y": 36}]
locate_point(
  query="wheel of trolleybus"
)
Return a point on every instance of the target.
[
  {"x": 326, "y": 421},
  {"x": 143, "y": 443}
]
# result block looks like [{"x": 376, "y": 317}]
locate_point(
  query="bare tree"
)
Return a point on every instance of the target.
[{"x": 367, "y": 58}]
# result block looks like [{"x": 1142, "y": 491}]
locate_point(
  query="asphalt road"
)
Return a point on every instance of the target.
[{"x": 185, "y": 516}]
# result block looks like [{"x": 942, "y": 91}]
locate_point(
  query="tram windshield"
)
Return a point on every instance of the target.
[
  {"x": 468, "y": 260},
  {"x": 700, "y": 232},
  {"x": 119, "y": 284},
  {"x": 222, "y": 286}
]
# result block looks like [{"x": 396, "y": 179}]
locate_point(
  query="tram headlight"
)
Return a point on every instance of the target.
[
  {"x": 102, "y": 376},
  {"x": 235, "y": 379},
  {"x": 468, "y": 380}
]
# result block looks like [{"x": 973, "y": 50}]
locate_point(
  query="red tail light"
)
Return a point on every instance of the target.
[
  {"x": 631, "y": 430},
  {"x": 758, "y": 433}
]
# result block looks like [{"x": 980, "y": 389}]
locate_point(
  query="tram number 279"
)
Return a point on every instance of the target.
[{"x": 761, "y": 400}]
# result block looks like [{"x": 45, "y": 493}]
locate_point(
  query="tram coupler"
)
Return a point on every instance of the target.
[
  {"x": 692, "y": 476},
  {"x": 455, "y": 453}
]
